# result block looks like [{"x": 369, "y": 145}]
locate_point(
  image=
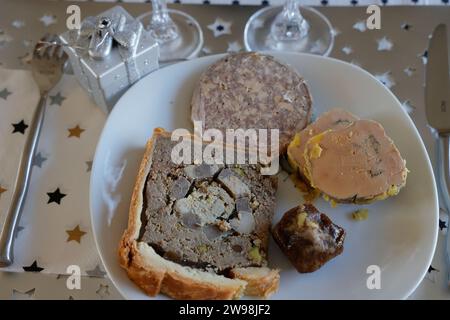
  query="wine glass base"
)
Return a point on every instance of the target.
[
  {"x": 189, "y": 42},
  {"x": 319, "y": 39}
]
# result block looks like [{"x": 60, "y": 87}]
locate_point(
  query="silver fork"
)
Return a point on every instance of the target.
[{"x": 46, "y": 65}]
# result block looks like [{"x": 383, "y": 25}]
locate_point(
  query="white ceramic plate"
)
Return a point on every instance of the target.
[{"x": 399, "y": 236}]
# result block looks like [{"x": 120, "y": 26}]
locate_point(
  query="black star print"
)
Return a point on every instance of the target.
[
  {"x": 19, "y": 127},
  {"x": 384, "y": 1},
  {"x": 442, "y": 224},
  {"x": 17, "y": 295},
  {"x": 177, "y": 1},
  {"x": 424, "y": 56},
  {"x": 354, "y": 2},
  {"x": 415, "y": 1},
  {"x": 445, "y": 1},
  {"x": 55, "y": 196},
  {"x": 324, "y": 2},
  {"x": 57, "y": 99},
  {"x": 265, "y": 3},
  {"x": 5, "y": 93},
  {"x": 206, "y": 2},
  {"x": 19, "y": 228},
  {"x": 103, "y": 290},
  {"x": 89, "y": 166},
  {"x": 33, "y": 267},
  {"x": 406, "y": 26},
  {"x": 38, "y": 160},
  {"x": 219, "y": 27},
  {"x": 235, "y": 2},
  {"x": 430, "y": 269},
  {"x": 96, "y": 272}
]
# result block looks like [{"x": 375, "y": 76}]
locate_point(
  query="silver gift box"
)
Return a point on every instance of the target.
[{"x": 106, "y": 76}]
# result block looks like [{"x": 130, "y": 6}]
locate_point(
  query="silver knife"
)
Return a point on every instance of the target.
[{"x": 437, "y": 99}]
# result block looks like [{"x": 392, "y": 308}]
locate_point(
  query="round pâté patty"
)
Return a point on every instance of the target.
[{"x": 252, "y": 91}]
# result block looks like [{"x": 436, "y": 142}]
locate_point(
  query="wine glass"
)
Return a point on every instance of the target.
[
  {"x": 289, "y": 28},
  {"x": 178, "y": 34}
]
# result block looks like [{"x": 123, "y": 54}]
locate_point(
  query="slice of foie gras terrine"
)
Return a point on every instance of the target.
[
  {"x": 358, "y": 163},
  {"x": 333, "y": 119}
]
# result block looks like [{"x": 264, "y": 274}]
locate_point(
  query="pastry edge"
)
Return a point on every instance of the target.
[{"x": 154, "y": 274}]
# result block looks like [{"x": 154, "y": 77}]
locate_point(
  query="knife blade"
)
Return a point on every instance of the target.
[
  {"x": 437, "y": 99},
  {"x": 437, "y": 94}
]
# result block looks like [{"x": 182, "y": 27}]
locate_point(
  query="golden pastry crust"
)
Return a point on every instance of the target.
[
  {"x": 154, "y": 274},
  {"x": 261, "y": 282}
]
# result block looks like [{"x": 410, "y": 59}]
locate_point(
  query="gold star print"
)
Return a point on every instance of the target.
[
  {"x": 75, "y": 131},
  {"x": 75, "y": 234},
  {"x": 2, "y": 190}
]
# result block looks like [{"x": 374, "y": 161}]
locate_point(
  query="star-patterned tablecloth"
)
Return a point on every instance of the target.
[
  {"x": 396, "y": 55},
  {"x": 54, "y": 230},
  {"x": 303, "y": 2}
]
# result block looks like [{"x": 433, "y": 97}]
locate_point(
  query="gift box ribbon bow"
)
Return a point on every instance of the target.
[{"x": 103, "y": 32}]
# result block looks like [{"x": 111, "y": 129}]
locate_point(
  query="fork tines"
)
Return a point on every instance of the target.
[{"x": 48, "y": 46}]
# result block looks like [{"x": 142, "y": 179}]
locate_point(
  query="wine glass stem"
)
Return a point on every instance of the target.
[
  {"x": 290, "y": 24},
  {"x": 162, "y": 27},
  {"x": 159, "y": 12},
  {"x": 291, "y": 8}
]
